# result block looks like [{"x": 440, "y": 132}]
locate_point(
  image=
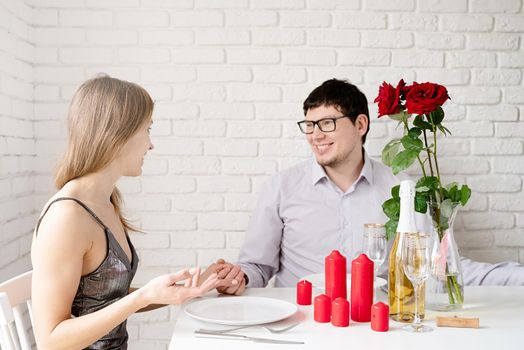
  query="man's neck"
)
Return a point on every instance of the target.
[{"x": 345, "y": 174}]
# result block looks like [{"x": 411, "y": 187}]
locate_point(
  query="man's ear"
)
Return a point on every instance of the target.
[{"x": 362, "y": 123}]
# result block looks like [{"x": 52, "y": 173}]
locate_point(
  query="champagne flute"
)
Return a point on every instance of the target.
[
  {"x": 375, "y": 246},
  {"x": 415, "y": 260}
]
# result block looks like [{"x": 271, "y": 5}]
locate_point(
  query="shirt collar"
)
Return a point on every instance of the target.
[
  {"x": 367, "y": 169},
  {"x": 318, "y": 173}
]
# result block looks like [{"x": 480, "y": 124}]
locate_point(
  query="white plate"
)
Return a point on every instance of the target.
[
  {"x": 240, "y": 311},
  {"x": 317, "y": 280}
]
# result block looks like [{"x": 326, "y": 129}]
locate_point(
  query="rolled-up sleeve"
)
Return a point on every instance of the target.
[{"x": 259, "y": 255}]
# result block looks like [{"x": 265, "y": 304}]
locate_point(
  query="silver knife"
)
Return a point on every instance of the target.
[{"x": 207, "y": 334}]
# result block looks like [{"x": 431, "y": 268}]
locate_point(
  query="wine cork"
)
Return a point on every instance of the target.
[{"x": 460, "y": 322}]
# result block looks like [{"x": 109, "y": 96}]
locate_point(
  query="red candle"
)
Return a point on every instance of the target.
[
  {"x": 361, "y": 288},
  {"x": 335, "y": 276},
  {"x": 322, "y": 312},
  {"x": 304, "y": 289},
  {"x": 380, "y": 317},
  {"x": 340, "y": 312}
]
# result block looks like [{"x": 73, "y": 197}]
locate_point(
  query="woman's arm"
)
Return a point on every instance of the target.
[
  {"x": 220, "y": 269},
  {"x": 57, "y": 254}
]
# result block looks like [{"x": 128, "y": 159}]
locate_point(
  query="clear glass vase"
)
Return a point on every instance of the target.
[{"x": 445, "y": 285}]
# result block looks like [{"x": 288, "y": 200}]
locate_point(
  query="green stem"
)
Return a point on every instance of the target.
[
  {"x": 433, "y": 127},
  {"x": 456, "y": 286},
  {"x": 406, "y": 129},
  {"x": 450, "y": 290},
  {"x": 427, "y": 151}
]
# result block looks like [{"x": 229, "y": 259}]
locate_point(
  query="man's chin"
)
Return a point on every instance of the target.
[{"x": 323, "y": 160}]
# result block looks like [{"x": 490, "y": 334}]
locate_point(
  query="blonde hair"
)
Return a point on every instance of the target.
[{"x": 104, "y": 113}]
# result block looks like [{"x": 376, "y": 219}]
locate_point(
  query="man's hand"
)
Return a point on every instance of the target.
[
  {"x": 233, "y": 282},
  {"x": 221, "y": 268}
]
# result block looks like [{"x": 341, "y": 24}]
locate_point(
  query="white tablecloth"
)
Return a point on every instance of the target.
[{"x": 500, "y": 309}]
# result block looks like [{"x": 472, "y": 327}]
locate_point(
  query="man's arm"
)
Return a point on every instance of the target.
[
  {"x": 485, "y": 274},
  {"x": 259, "y": 256},
  {"x": 260, "y": 252}
]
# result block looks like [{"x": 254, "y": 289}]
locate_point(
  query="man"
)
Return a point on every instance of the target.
[{"x": 321, "y": 204}]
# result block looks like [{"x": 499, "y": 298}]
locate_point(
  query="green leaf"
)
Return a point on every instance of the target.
[
  {"x": 437, "y": 116},
  {"x": 395, "y": 191},
  {"x": 391, "y": 228},
  {"x": 401, "y": 117},
  {"x": 453, "y": 194},
  {"x": 391, "y": 208},
  {"x": 446, "y": 209},
  {"x": 390, "y": 151},
  {"x": 450, "y": 185},
  {"x": 443, "y": 129},
  {"x": 421, "y": 203},
  {"x": 430, "y": 182},
  {"x": 414, "y": 133},
  {"x": 465, "y": 193},
  {"x": 420, "y": 123},
  {"x": 403, "y": 160},
  {"x": 412, "y": 144}
]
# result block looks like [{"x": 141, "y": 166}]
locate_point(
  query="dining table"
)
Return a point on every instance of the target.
[{"x": 500, "y": 310}]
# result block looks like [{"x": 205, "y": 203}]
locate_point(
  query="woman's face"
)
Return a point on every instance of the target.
[{"x": 132, "y": 156}]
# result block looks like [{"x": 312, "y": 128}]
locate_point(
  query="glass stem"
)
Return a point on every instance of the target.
[{"x": 416, "y": 322}]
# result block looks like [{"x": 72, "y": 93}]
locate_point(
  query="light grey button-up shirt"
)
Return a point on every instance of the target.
[{"x": 301, "y": 216}]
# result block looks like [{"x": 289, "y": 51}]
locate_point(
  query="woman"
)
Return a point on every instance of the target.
[{"x": 83, "y": 260}]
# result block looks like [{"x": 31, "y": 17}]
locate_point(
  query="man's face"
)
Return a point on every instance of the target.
[{"x": 336, "y": 148}]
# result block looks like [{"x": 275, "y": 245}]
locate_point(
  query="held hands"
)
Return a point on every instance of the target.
[
  {"x": 231, "y": 277},
  {"x": 165, "y": 290}
]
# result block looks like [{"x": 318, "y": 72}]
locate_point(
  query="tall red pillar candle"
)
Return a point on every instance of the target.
[
  {"x": 322, "y": 312},
  {"x": 340, "y": 312},
  {"x": 335, "y": 268},
  {"x": 304, "y": 290},
  {"x": 380, "y": 317},
  {"x": 361, "y": 288}
]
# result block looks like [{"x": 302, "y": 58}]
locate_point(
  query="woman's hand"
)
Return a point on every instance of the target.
[
  {"x": 221, "y": 268},
  {"x": 165, "y": 290}
]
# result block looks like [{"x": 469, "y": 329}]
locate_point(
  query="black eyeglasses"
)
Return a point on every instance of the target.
[{"x": 324, "y": 124}]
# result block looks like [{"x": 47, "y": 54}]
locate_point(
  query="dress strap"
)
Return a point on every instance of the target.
[{"x": 92, "y": 213}]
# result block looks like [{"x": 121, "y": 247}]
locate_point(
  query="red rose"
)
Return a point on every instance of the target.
[
  {"x": 425, "y": 98},
  {"x": 388, "y": 99},
  {"x": 403, "y": 89}
]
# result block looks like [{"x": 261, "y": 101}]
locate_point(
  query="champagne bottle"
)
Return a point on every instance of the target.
[{"x": 401, "y": 292}]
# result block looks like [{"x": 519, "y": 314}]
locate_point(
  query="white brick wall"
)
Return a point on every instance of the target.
[
  {"x": 17, "y": 139},
  {"x": 228, "y": 78}
]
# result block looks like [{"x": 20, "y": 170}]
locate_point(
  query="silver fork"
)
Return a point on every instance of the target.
[{"x": 271, "y": 330}]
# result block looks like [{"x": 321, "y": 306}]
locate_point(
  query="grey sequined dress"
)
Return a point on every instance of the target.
[{"x": 109, "y": 282}]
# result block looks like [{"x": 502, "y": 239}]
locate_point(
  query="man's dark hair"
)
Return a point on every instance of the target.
[{"x": 342, "y": 95}]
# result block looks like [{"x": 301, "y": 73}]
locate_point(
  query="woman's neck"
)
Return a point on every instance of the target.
[{"x": 96, "y": 187}]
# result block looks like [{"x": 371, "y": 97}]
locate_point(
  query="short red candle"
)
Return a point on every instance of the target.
[
  {"x": 340, "y": 312},
  {"x": 361, "y": 288},
  {"x": 335, "y": 276},
  {"x": 322, "y": 312},
  {"x": 304, "y": 290},
  {"x": 380, "y": 317}
]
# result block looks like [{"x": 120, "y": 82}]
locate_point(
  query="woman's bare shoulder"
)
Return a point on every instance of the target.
[{"x": 65, "y": 220}]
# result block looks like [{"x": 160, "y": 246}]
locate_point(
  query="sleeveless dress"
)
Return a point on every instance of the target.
[{"x": 109, "y": 282}]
